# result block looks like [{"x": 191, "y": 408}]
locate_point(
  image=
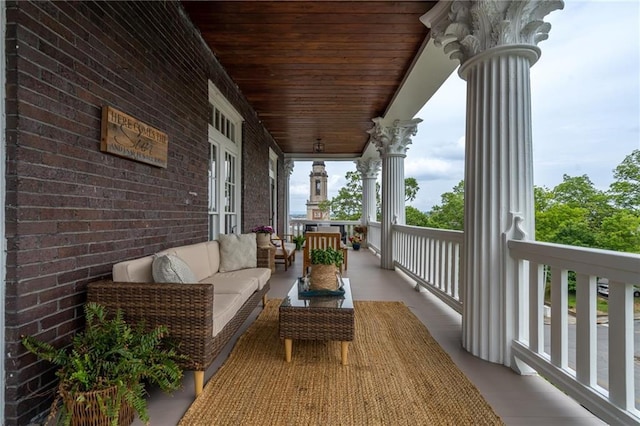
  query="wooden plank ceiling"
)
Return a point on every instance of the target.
[{"x": 314, "y": 69}]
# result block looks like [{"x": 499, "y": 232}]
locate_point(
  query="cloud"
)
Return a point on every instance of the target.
[
  {"x": 298, "y": 188},
  {"x": 431, "y": 168}
]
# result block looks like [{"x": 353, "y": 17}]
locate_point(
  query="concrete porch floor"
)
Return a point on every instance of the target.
[{"x": 518, "y": 400}]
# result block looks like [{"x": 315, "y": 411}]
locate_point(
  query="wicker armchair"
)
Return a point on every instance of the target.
[{"x": 285, "y": 250}]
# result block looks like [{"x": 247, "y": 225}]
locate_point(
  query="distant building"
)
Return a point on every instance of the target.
[{"x": 317, "y": 192}]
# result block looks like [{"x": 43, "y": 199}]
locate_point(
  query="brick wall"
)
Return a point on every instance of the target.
[{"x": 71, "y": 210}]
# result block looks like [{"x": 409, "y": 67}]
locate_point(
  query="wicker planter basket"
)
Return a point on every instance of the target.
[
  {"x": 92, "y": 410},
  {"x": 263, "y": 240},
  {"x": 323, "y": 277}
]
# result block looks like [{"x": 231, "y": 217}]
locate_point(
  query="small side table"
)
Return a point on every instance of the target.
[{"x": 267, "y": 258}]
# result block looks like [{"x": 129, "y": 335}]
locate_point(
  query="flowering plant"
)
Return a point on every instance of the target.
[
  {"x": 355, "y": 239},
  {"x": 263, "y": 229}
]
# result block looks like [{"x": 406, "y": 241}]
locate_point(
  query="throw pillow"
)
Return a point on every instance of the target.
[
  {"x": 237, "y": 251},
  {"x": 169, "y": 268}
]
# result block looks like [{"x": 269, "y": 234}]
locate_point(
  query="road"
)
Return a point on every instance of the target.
[{"x": 602, "y": 346}]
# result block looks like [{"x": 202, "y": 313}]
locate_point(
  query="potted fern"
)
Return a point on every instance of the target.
[
  {"x": 299, "y": 241},
  {"x": 325, "y": 264},
  {"x": 103, "y": 372}
]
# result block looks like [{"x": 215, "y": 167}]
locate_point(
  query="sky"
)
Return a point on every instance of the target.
[{"x": 585, "y": 96}]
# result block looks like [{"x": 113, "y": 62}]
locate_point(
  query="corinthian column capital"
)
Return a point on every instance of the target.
[
  {"x": 394, "y": 139},
  {"x": 288, "y": 167},
  {"x": 474, "y": 26},
  {"x": 369, "y": 167}
]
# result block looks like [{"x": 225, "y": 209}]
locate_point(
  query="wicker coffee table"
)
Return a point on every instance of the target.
[{"x": 317, "y": 318}]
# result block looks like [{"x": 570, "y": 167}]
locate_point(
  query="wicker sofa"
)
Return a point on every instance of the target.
[{"x": 201, "y": 316}]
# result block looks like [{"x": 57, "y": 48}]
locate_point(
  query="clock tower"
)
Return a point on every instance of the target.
[{"x": 317, "y": 192}]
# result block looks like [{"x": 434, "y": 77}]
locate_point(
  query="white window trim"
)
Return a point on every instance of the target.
[
  {"x": 273, "y": 174},
  {"x": 224, "y": 144},
  {"x": 222, "y": 104}
]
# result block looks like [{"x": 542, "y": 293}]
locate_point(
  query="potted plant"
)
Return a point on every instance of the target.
[
  {"x": 263, "y": 235},
  {"x": 355, "y": 241},
  {"x": 103, "y": 372},
  {"x": 325, "y": 264},
  {"x": 299, "y": 241}
]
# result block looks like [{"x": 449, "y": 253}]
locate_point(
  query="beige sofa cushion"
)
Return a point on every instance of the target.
[
  {"x": 244, "y": 287},
  {"x": 290, "y": 247},
  {"x": 213, "y": 250},
  {"x": 133, "y": 271},
  {"x": 258, "y": 276},
  {"x": 140, "y": 270},
  {"x": 237, "y": 252},
  {"x": 225, "y": 306},
  {"x": 197, "y": 257}
]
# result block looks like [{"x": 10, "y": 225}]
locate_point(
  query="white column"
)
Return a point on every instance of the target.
[
  {"x": 288, "y": 169},
  {"x": 392, "y": 143},
  {"x": 495, "y": 42},
  {"x": 369, "y": 169}
]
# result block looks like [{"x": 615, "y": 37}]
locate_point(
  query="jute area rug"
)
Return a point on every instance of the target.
[{"x": 397, "y": 374}]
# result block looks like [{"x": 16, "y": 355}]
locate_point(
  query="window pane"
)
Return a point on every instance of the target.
[
  {"x": 230, "y": 182},
  {"x": 229, "y": 224},
  {"x": 213, "y": 179}
]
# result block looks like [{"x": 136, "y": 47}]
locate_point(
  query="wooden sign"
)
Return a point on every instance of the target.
[{"x": 128, "y": 137}]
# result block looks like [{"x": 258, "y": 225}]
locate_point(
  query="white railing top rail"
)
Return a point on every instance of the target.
[
  {"x": 440, "y": 234},
  {"x": 325, "y": 222},
  {"x": 616, "y": 266}
]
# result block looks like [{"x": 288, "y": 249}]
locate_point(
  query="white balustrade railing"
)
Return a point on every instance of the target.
[
  {"x": 575, "y": 369},
  {"x": 298, "y": 226},
  {"x": 374, "y": 236},
  {"x": 599, "y": 374},
  {"x": 432, "y": 258}
]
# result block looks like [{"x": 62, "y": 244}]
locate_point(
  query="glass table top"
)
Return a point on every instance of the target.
[{"x": 294, "y": 299}]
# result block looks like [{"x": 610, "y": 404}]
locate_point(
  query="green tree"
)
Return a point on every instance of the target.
[
  {"x": 325, "y": 206},
  {"x": 625, "y": 190},
  {"x": 450, "y": 214},
  {"x": 543, "y": 198},
  {"x": 347, "y": 205},
  {"x": 415, "y": 217},
  {"x": 411, "y": 189},
  {"x": 620, "y": 232},
  {"x": 564, "y": 224},
  {"x": 579, "y": 192}
]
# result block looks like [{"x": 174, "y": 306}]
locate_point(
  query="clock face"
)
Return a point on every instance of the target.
[{"x": 317, "y": 214}]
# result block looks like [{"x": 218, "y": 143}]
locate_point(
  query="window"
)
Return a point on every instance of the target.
[
  {"x": 225, "y": 140},
  {"x": 273, "y": 189},
  {"x": 221, "y": 122}
]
